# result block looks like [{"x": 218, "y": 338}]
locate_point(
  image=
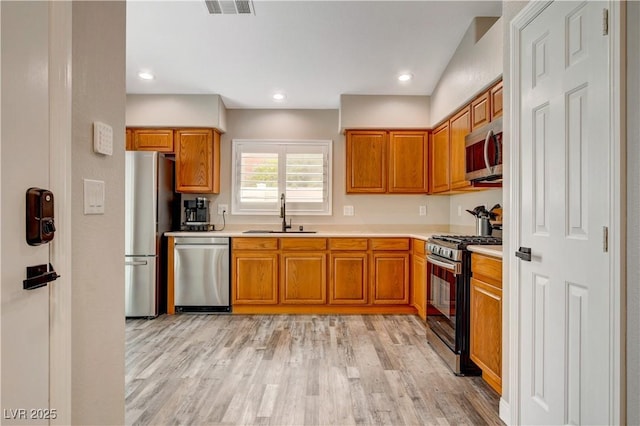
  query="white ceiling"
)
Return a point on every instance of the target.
[{"x": 313, "y": 51}]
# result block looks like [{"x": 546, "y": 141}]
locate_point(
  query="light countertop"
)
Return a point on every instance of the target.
[
  {"x": 368, "y": 233},
  {"x": 495, "y": 251}
]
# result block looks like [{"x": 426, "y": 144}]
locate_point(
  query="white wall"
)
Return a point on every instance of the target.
[
  {"x": 633, "y": 203},
  {"x": 384, "y": 111},
  {"x": 459, "y": 218},
  {"x": 473, "y": 67},
  {"x": 321, "y": 124},
  {"x": 176, "y": 110},
  {"x": 98, "y": 240}
]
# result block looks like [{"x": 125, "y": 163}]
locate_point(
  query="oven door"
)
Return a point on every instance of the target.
[{"x": 443, "y": 279}]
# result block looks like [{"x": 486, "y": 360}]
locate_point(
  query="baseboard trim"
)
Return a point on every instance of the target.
[{"x": 504, "y": 411}]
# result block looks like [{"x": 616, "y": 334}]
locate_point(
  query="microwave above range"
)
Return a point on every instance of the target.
[{"x": 483, "y": 153}]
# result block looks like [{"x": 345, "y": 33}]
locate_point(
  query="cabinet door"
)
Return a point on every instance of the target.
[
  {"x": 460, "y": 126},
  {"x": 408, "y": 162},
  {"x": 303, "y": 278},
  {"x": 198, "y": 161},
  {"x": 255, "y": 277},
  {"x": 480, "y": 111},
  {"x": 495, "y": 97},
  {"x": 419, "y": 284},
  {"x": 366, "y": 161},
  {"x": 348, "y": 278},
  {"x": 390, "y": 278},
  {"x": 439, "y": 160},
  {"x": 129, "y": 140},
  {"x": 486, "y": 331},
  {"x": 160, "y": 140}
]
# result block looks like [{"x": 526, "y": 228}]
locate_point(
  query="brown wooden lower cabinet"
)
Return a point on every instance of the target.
[
  {"x": 390, "y": 278},
  {"x": 348, "y": 278},
  {"x": 319, "y": 275},
  {"x": 419, "y": 278},
  {"x": 303, "y": 278},
  {"x": 255, "y": 277},
  {"x": 486, "y": 318}
]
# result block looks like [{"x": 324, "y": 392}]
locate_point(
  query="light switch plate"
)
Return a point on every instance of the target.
[
  {"x": 422, "y": 211},
  {"x": 102, "y": 138},
  {"x": 93, "y": 196},
  {"x": 347, "y": 211}
]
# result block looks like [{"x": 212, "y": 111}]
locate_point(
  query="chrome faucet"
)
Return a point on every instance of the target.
[{"x": 283, "y": 214}]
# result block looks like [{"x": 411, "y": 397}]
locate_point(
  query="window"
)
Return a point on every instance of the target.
[{"x": 264, "y": 169}]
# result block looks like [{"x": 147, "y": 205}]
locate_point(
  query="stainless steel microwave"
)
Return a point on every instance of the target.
[{"x": 483, "y": 153}]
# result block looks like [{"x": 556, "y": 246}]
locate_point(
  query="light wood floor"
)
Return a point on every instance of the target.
[{"x": 295, "y": 370}]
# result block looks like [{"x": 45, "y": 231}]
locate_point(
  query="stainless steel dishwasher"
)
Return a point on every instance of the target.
[{"x": 201, "y": 274}]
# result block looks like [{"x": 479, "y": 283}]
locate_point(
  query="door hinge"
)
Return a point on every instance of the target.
[
  {"x": 605, "y": 239},
  {"x": 605, "y": 22}
]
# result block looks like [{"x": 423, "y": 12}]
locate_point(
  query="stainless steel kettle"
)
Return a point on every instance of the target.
[{"x": 483, "y": 224}]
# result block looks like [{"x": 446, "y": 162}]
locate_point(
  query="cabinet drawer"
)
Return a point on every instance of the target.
[
  {"x": 254, "y": 243},
  {"x": 389, "y": 244},
  {"x": 348, "y": 244},
  {"x": 490, "y": 268},
  {"x": 419, "y": 247},
  {"x": 303, "y": 243}
]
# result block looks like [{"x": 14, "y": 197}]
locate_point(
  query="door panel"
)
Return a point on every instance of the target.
[
  {"x": 25, "y": 163},
  {"x": 564, "y": 299}
]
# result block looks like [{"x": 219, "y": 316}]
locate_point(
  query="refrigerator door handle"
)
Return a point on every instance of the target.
[{"x": 136, "y": 263}]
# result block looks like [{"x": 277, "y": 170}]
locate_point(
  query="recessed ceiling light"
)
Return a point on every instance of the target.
[
  {"x": 146, "y": 75},
  {"x": 279, "y": 97},
  {"x": 405, "y": 76}
]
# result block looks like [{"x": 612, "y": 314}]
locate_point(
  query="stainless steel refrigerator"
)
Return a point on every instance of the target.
[{"x": 150, "y": 206}]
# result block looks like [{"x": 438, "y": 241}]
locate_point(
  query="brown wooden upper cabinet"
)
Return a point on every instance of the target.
[
  {"x": 447, "y": 149},
  {"x": 480, "y": 111},
  {"x": 367, "y": 161},
  {"x": 197, "y": 160},
  {"x": 160, "y": 140},
  {"x": 408, "y": 155},
  {"x": 495, "y": 97},
  {"x": 460, "y": 127},
  {"x": 440, "y": 162},
  {"x": 129, "y": 140},
  {"x": 381, "y": 161}
]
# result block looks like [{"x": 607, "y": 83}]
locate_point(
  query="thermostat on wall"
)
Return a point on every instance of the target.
[{"x": 102, "y": 138}]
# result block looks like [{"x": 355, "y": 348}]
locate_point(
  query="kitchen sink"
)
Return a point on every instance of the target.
[{"x": 266, "y": 231}]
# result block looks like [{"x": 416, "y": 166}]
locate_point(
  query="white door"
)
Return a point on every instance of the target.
[
  {"x": 25, "y": 135},
  {"x": 564, "y": 207}
]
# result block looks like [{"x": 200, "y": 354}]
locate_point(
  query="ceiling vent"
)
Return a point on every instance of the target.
[{"x": 230, "y": 7}]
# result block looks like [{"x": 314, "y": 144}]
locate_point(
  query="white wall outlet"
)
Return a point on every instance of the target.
[
  {"x": 422, "y": 210},
  {"x": 347, "y": 210},
  {"x": 93, "y": 196},
  {"x": 102, "y": 138},
  {"x": 223, "y": 208},
  {"x": 459, "y": 211}
]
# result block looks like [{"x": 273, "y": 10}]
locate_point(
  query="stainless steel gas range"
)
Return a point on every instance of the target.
[{"x": 448, "y": 281}]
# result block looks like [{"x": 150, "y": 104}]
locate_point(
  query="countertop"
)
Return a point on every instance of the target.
[
  {"x": 418, "y": 234},
  {"x": 320, "y": 234},
  {"x": 495, "y": 251}
]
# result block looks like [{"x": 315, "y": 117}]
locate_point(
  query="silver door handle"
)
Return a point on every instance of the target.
[
  {"x": 136, "y": 263},
  {"x": 454, "y": 267}
]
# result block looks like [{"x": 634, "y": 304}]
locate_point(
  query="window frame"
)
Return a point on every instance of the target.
[{"x": 279, "y": 148}]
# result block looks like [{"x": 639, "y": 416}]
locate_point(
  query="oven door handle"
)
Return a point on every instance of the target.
[{"x": 454, "y": 267}]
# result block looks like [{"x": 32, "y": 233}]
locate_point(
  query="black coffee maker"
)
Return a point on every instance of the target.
[{"x": 196, "y": 214}]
